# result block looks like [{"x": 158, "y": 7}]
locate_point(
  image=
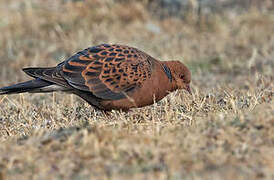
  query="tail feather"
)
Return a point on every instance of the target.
[
  {"x": 46, "y": 80},
  {"x": 27, "y": 86}
]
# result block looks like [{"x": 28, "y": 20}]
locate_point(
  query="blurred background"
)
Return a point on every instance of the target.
[{"x": 225, "y": 37}]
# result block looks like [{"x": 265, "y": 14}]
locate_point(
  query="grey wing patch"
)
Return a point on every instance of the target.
[
  {"x": 49, "y": 88},
  {"x": 47, "y": 74}
]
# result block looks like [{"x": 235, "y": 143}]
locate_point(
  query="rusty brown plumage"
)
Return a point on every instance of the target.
[{"x": 109, "y": 77}]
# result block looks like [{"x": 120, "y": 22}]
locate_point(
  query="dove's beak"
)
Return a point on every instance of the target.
[{"x": 188, "y": 89}]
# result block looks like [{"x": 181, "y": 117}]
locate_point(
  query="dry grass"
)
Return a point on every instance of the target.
[{"x": 225, "y": 130}]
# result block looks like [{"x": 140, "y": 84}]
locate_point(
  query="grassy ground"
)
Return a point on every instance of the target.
[{"x": 225, "y": 130}]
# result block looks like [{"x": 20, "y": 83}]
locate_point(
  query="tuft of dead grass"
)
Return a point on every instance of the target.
[{"x": 223, "y": 131}]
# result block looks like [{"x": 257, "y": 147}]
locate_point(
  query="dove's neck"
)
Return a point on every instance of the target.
[{"x": 167, "y": 79}]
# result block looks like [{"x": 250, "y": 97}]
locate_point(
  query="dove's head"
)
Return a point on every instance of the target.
[{"x": 181, "y": 74}]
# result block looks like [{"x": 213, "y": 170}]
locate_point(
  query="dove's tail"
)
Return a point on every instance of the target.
[{"x": 32, "y": 86}]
